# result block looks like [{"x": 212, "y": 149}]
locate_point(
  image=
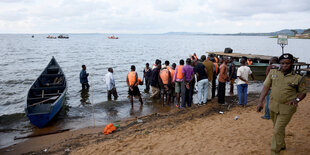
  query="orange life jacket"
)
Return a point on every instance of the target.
[
  {"x": 109, "y": 129},
  {"x": 249, "y": 62},
  {"x": 179, "y": 72},
  {"x": 216, "y": 59},
  {"x": 216, "y": 67},
  {"x": 132, "y": 78},
  {"x": 164, "y": 75}
]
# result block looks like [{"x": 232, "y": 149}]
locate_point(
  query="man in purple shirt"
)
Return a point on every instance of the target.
[{"x": 187, "y": 86}]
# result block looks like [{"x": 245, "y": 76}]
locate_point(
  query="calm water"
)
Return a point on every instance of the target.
[{"x": 23, "y": 58}]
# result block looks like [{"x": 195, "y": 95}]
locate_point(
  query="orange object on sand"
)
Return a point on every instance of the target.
[{"x": 109, "y": 129}]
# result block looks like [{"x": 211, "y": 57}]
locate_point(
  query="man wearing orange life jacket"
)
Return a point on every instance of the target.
[
  {"x": 165, "y": 84},
  {"x": 216, "y": 59},
  {"x": 172, "y": 70},
  {"x": 178, "y": 79},
  {"x": 132, "y": 83},
  {"x": 167, "y": 65},
  {"x": 194, "y": 57},
  {"x": 250, "y": 62}
]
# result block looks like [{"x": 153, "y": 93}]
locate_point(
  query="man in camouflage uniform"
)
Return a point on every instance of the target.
[{"x": 287, "y": 90}]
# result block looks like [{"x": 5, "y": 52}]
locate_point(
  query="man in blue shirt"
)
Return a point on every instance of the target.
[{"x": 83, "y": 78}]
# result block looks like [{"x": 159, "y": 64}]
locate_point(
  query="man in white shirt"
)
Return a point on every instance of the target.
[
  {"x": 243, "y": 73},
  {"x": 111, "y": 90}
]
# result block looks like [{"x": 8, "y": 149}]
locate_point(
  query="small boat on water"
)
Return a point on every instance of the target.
[
  {"x": 51, "y": 37},
  {"x": 47, "y": 95},
  {"x": 112, "y": 37},
  {"x": 63, "y": 36}
]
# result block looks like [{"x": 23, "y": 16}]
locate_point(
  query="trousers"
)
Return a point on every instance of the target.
[
  {"x": 242, "y": 93},
  {"x": 221, "y": 92},
  {"x": 203, "y": 90},
  {"x": 186, "y": 94},
  {"x": 280, "y": 122}
]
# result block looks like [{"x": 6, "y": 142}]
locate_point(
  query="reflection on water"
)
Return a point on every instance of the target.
[
  {"x": 134, "y": 112},
  {"x": 85, "y": 96}
]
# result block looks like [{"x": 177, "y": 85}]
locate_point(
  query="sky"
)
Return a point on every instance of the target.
[{"x": 152, "y": 16}]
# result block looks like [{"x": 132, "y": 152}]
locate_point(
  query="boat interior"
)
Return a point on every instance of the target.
[{"x": 46, "y": 90}]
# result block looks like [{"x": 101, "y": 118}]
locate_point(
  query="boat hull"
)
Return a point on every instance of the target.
[
  {"x": 41, "y": 120},
  {"x": 47, "y": 95}
]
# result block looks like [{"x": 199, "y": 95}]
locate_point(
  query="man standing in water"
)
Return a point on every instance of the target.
[
  {"x": 288, "y": 88},
  {"x": 147, "y": 73},
  {"x": 109, "y": 78},
  {"x": 243, "y": 73},
  {"x": 165, "y": 84},
  {"x": 83, "y": 78},
  {"x": 132, "y": 83},
  {"x": 187, "y": 84},
  {"x": 178, "y": 79}
]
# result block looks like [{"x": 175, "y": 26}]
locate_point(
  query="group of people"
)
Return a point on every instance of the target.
[
  {"x": 179, "y": 81},
  {"x": 283, "y": 88}
]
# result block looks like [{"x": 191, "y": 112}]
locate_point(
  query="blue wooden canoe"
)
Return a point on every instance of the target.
[{"x": 47, "y": 95}]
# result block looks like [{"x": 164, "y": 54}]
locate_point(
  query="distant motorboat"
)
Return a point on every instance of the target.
[
  {"x": 32, "y": 36},
  {"x": 51, "y": 37},
  {"x": 112, "y": 37},
  {"x": 63, "y": 36}
]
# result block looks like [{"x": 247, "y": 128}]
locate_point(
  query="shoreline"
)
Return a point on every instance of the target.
[{"x": 199, "y": 130}]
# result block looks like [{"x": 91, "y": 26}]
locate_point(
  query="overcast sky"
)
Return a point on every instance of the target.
[{"x": 152, "y": 16}]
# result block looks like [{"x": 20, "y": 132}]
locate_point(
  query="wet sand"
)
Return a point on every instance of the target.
[{"x": 196, "y": 130}]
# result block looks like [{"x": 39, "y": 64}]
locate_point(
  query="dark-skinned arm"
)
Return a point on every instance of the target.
[
  {"x": 252, "y": 76},
  {"x": 301, "y": 96}
]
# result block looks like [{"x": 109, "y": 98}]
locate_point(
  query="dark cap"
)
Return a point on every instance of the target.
[{"x": 286, "y": 56}]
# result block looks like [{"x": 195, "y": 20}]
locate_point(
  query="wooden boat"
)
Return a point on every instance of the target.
[
  {"x": 63, "y": 36},
  {"x": 112, "y": 37},
  {"x": 258, "y": 66},
  {"x": 47, "y": 95}
]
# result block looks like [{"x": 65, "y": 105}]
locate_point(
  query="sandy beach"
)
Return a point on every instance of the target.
[{"x": 196, "y": 130}]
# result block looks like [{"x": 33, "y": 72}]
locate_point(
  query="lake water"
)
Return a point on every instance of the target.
[{"x": 23, "y": 58}]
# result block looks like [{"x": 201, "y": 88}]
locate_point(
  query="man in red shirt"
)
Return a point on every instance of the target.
[{"x": 223, "y": 78}]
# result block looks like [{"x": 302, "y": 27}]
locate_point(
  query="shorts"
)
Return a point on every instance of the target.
[
  {"x": 232, "y": 81},
  {"x": 178, "y": 87},
  {"x": 134, "y": 92},
  {"x": 164, "y": 91}
]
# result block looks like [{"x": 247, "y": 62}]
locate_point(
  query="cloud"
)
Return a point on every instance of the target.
[{"x": 151, "y": 16}]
